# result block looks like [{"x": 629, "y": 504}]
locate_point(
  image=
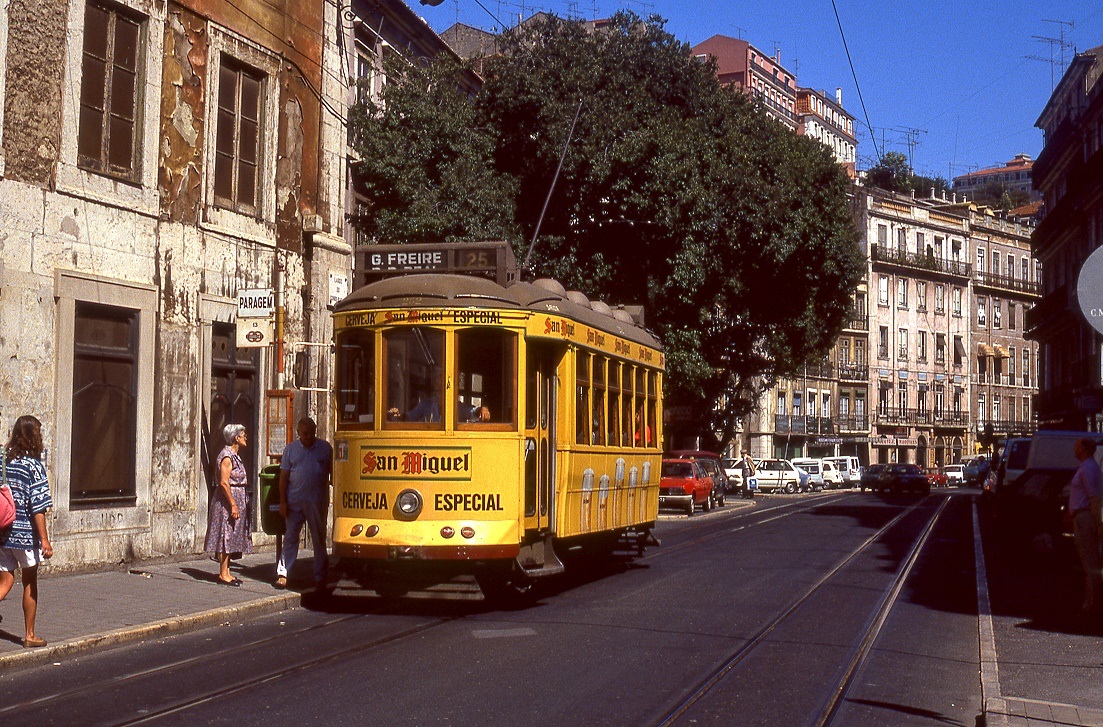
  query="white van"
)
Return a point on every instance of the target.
[
  {"x": 850, "y": 469},
  {"x": 823, "y": 472}
]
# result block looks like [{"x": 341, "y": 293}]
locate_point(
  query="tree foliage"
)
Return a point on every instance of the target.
[
  {"x": 674, "y": 193},
  {"x": 893, "y": 173}
]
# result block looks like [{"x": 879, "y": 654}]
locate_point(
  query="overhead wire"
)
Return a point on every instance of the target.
[{"x": 854, "y": 74}]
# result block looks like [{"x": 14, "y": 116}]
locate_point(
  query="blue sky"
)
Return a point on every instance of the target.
[{"x": 959, "y": 71}]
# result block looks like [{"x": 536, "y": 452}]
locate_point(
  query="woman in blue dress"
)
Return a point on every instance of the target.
[{"x": 25, "y": 544}]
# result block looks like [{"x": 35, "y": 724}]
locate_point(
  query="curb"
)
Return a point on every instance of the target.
[{"x": 127, "y": 634}]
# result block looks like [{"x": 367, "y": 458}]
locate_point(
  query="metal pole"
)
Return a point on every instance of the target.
[{"x": 547, "y": 200}]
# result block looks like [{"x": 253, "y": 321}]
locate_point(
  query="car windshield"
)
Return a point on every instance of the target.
[
  {"x": 677, "y": 469},
  {"x": 874, "y": 469},
  {"x": 905, "y": 469},
  {"x": 1016, "y": 459}
]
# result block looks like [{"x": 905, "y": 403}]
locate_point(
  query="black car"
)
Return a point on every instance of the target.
[
  {"x": 870, "y": 477},
  {"x": 904, "y": 478}
]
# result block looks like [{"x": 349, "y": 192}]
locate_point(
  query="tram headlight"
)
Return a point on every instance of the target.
[
  {"x": 372, "y": 531},
  {"x": 408, "y": 503}
]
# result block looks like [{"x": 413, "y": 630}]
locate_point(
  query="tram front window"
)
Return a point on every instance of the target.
[
  {"x": 356, "y": 378},
  {"x": 486, "y": 377},
  {"x": 414, "y": 375}
]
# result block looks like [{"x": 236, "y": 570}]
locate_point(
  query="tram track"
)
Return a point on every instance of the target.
[
  {"x": 204, "y": 660},
  {"x": 723, "y": 528},
  {"x": 839, "y": 691}
]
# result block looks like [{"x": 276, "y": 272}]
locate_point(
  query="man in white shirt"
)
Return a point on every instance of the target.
[{"x": 305, "y": 470}]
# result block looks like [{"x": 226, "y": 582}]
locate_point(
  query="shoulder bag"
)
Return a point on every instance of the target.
[{"x": 7, "y": 502}]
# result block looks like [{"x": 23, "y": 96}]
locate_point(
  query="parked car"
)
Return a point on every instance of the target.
[
  {"x": 936, "y": 477},
  {"x": 814, "y": 470},
  {"x": 1033, "y": 497},
  {"x": 904, "y": 478},
  {"x": 871, "y": 476},
  {"x": 976, "y": 470},
  {"x": 955, "y": 474},
  {"x": 850, "y": 469},
  {"x": 778, "y": 474},
  {"x": 684, "y": 484},
  {"x": 714, "y": 467},
  {"x": 832, "y": 478},
  {"x": 733, "y": 468}
]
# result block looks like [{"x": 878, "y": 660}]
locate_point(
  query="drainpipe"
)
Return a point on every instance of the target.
[{"x": 280, "y": 312}]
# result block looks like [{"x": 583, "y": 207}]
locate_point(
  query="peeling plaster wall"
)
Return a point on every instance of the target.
[
  {"x": 182, "y": 116},
  {"x": 32, "y": 101},
  {"x": 158, "y": 237}
]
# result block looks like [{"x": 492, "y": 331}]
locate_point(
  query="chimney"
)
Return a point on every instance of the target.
[
  {"x": 944, "y": 195},
  {"x": 839, "y": 95},
  {"x": 932, "y": 193},
  {"x": 955, "y": 197}
]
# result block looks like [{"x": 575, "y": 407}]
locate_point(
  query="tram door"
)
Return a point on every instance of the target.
[{"x": 540, "y": 408}]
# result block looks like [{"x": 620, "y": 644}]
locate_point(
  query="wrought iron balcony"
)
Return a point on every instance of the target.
[
  {"x": 857, "y": 423},
  {"x": 849, "y": 371},
  {"x": 1005, "y": 282},
  {"x": 879, "y": 253}
]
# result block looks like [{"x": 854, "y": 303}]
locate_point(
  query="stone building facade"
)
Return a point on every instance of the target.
[
  {"x": 1069, "y": 175},
  {"x": 157, "y": 159},
  {"x": 918, "y": 371}
]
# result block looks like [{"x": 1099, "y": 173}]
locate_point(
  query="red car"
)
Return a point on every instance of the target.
[
  {"x": 685, "y": 484},
  {"x": 936, "y": 477}
]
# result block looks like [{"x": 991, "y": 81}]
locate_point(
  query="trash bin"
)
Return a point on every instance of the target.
[{"x": 271, "y": 522}]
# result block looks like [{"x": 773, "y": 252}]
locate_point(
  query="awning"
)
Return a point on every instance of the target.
[
  {"x": 1002, "y": 352},
  {"x": 959, "y": 347},
  {"x": 984, "y": 350}
]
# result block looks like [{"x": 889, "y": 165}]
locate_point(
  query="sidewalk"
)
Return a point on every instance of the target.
[{"x": 78, "y": 613}]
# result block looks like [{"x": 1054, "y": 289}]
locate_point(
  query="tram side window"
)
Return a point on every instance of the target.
[
  {"x": 414, "y": 375},
  {"x": 639, "y": 399},
  {"x": 613, "y": 438},
  {"x": 486, "y": 376},
  {"x": 356, "y": 378},
  {"x": 582, "y": 403},
  {"x": 598, "y": 429},
  {"x": 652, "y": 407},
  {"x": 626, "y": 408}
]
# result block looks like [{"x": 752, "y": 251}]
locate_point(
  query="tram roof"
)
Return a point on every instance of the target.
[{"x": 450, "y": 291}]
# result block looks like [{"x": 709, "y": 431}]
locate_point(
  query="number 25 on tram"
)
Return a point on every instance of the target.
[{"x": 485, "y": 430}]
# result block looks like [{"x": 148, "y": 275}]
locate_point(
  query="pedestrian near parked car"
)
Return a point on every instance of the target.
[
  {"x": 25, "y": 543},
  {"x": 305, "y": 470},
  {"x": 748, "y": 470},
  {"x": 227, "y": 530},
  {"x": 1085, "y": 496}
]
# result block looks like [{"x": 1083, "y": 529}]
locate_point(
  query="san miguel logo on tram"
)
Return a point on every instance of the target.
[
  {"x": 415, "y": 464},
  {"x": 563, "y": 328}
]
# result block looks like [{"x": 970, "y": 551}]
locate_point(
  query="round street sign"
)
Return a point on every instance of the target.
[{"x": 1089, "y": 289}]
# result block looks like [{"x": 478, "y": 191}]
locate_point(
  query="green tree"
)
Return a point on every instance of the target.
[
  {"x": 675, "y": 193},
  {"x": 892, "y": 172},
  {"x": 425, "y": 170}
]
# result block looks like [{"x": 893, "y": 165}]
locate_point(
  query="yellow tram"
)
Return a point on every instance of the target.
[{"x": 487, "y": 429}]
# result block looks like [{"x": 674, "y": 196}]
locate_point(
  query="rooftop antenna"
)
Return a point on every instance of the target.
[
  {"x": 911, "y": 138},
  {"x": 1056, "y": 46},
  {"x": 739, "y": 31}
]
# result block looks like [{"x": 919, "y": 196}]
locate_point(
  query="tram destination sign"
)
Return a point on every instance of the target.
[{"x": 494, "y": 260}]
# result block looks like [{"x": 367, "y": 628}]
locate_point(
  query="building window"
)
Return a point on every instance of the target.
[
  {"x": 106, "y": 137},
  {"x": 1025, "y": 274},
  {"x": 956, "y": 303},
  {"x": 1026, "y": 408},
  {"x": 981, "y": 402},
  {"x": 902, "y": 341},
  {"x": 980, "y": 259},
  {"x": 921, "y": 349},
  {"x": 902, "y": 241},
  {"x": 883, "y": 342},
  {"x": 938, "y": 246},
  {"x": 883, "y": 290},
  {"x": 997, "y": 313},
  {"x": 982, "y": 317},
  {"x": 920, "y": 296},
  {"x": 781, "y": 400},
  {"x": 995, "y": 262},
  {"x": 1011, "y": 266},
  {"x": 1026, "y": 367},
  {"x": 798, "y": 402},
  {"x": 844, "y": 351},
  {"x": 902, "y": 293},
  {"x": 883, "y": 235},
  {"x": 1011, "y": 315},
  {"x": 902, "y": 398},
  {"x": 237, "y": 139},
  {"x": 939, "y": 298},
  {"x": 959, "y": 351},
  {"x": 1011, "y": 365},
  {"x": 105, "y": 404},
  {"x": 940, "y": 348}
]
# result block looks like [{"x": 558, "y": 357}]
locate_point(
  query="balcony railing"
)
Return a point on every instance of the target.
[
  {"x": 923, "y": 262},
  {"x": 856, "y": 423},
  {"x": 802, "y": 424},
  {"x": 1009, "y": 426},
  {"x": 853, "y": 371},
  {"x": 1005, "y": 282},
  {"x": 821, "y": 370},
  {"x": 857, "y": 321},
  {"x": 921, "y": 417}
]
